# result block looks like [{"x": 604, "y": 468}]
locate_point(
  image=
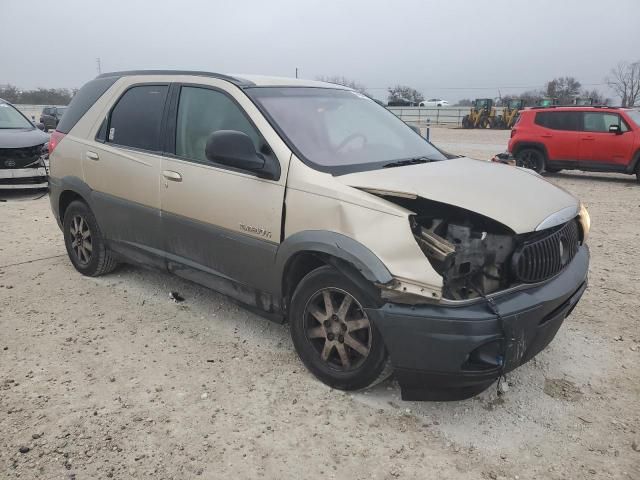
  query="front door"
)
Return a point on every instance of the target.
[
  {"x": 601, "y": 149},
  {"x": 221, "y": 225}
]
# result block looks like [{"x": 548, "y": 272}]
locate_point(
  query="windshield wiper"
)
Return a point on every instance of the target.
[{"x": 408, "y": 161}]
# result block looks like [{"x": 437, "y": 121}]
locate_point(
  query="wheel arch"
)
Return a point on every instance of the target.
[
  {"x": 635, "y": 159},
  {"x": 535, "y": 145},
  {"x": 305, "y": 251}
]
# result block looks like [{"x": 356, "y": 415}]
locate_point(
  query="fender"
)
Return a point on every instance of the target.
[
  {"x": 336, "y": 245},
  {"x": 525, "y": 144}
]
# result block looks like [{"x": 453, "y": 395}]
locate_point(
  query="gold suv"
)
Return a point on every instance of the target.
[{"x": 310, "y": 203}]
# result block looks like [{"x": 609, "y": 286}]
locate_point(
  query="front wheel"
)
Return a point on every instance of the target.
[
  {"x": 333, "y": 334},
  {"x": 530, "y": 158}
]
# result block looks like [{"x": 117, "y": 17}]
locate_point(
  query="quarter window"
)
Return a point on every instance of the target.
[
  {"x": 202, "y": 111},
  {"x": 135, "y": 120},
  {"x": 601, "y": 121},
  {"x": 558, "y": 120}
]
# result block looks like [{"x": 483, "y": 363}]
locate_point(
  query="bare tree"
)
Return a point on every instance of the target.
[
  {"x": 565, "y": 89},
  {"x": 465, "y": 102},
  {"x": 597, "y": 97},
  {"x": 625, "y": 81},
  {"x": 401, "y": 93},
  {"x": 346, "y": 82}
]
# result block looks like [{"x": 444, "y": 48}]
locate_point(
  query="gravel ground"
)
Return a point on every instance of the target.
[{"x": 106, "y": 378}]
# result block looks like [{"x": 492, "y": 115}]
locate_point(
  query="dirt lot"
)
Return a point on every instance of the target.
[{"x": 106, "y": 378}]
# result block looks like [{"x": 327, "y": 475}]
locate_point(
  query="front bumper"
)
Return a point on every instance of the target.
[
  {"x": 453, "y": 352},
  {"x": 23, "y": 178}
]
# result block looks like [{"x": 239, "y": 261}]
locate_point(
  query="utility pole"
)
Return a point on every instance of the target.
[
  {"x": 99, "y": 65},
  {"x": 296, "y": 72}
]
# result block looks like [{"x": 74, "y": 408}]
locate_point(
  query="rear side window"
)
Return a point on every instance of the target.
[
  {"x": 559, "y": 120},
  {"x": 601, "y": 121},
  {"x": 136, "y": 119},
  {"x": 83, "y": 100}
]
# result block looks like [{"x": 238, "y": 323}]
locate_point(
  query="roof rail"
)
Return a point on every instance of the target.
[
  {"x": 537, "y": 107},
  {"x": 127, "y": 73}
]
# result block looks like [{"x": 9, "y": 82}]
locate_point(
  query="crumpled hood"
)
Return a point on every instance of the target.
[
  {"x": 21, "y": 138},
  {"x": 517, "y": 198}
]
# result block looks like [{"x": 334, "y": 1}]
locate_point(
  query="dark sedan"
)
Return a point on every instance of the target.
[{"x": 22, "y": 151}]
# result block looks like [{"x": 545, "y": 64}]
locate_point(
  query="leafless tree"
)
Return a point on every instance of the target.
[
  {"x": 624, "y": 79},
  {"x": 565, "y": 89},
  {"x": 346, "y": 82},
  {"x": 404, "y": 93}
]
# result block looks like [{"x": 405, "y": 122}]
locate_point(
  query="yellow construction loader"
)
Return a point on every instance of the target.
[{"x": 482, "y": 115}]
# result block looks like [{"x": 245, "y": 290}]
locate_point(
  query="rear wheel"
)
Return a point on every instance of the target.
[
  {"x": 530, "y": 158},
  {"x": 638, "y": 172},
  {"x": 333, "y": 334},
  {"x": 84, "y": 241},
  {"x": 466, "y": 122}
]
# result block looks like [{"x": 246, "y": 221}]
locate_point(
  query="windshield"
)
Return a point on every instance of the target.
[
  {"x": 341, "y": 131},
  {"x": 635, "y": 116},
  {"x": 12, "y": 118}
]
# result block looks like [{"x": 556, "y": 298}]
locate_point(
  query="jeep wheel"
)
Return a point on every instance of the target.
[
  {"x": 332, "y": 333},
  {"x": 85, "y": 244},
  {"x": 638, "y": 172},
  {"x": 530, "y": 158}
]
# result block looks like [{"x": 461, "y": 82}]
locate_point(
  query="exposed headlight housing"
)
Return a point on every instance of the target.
[{"x": 585, "y": 222}]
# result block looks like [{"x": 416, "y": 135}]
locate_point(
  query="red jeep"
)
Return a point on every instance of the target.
[{"x": 595, "y": 139}]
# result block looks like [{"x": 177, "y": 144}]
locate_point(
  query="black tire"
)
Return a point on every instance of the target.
[
  {"x": 466, "y": 122},
  {"x": 638, "y": 172},
  {"x": 85, "y": 243},
  {"x": 552, "y": 170},
  {"x": 312, "y": 337},
  {"x": 531, "y": 158}
]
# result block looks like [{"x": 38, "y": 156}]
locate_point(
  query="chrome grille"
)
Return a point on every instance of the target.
[{"x": 542, "y": 258}]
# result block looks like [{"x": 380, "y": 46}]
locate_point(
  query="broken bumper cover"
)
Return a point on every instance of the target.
[
  {"x": 23, "y": 178},
  {"x": 453, "y": 352}
]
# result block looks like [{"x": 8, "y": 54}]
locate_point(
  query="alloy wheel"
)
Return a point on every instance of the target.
[
  {"x": 338, "y": 328},
  {"x": 81, "y": 239}
]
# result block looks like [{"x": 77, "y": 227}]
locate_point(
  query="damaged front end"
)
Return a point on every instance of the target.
[
  {"x": 478, "y": 256},
  {"x": 471, "y": 252}
]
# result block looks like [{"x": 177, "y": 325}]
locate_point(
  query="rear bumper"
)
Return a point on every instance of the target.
[
  {"x": 452, "y": 353},
  {"x": 23, "y": 178}
]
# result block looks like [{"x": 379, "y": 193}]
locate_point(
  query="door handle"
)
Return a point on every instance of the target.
[
  {"x": 588, "y": 138},
  {"x": 547, "y": 136},
  {"x": 171, "y": 175},
  {"x": 93, "y": 156}
]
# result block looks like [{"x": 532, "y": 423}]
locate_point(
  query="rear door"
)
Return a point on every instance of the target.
[
  {"x": 122, "y": 167},
  {"x": 221, "y": 225},
  {"x": 560, "y": 134},
  {"x": 601, "y": 149}
]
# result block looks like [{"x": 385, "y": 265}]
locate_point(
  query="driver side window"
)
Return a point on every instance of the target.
[{"x": 202, "y": 111}]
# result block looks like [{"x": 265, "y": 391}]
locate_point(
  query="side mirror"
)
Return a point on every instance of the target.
[
  {"x": 615, "y": 129},
  {"x": 235, "y": 149},
  {"x": 40, "y": 126}
]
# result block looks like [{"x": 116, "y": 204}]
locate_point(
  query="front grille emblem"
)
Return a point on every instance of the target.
[{"x": 10, "y": 163}]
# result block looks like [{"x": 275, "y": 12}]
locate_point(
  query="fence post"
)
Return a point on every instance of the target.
[{"x": 428, "y": 129}]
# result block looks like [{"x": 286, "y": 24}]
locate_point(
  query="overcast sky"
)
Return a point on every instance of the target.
[{"x": 449, "y": 49}]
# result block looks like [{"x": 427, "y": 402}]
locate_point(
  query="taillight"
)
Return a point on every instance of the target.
[
  {"x": 513, "y": 132},
  {"x": 54, "y": 140}
]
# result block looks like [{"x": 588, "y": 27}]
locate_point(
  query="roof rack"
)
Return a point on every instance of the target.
[
  {"x": 127, "y": 73},
  {"x": 575, "y": 106}
]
